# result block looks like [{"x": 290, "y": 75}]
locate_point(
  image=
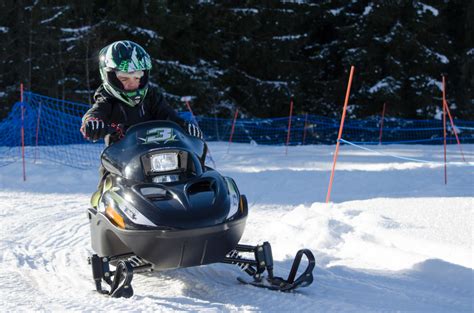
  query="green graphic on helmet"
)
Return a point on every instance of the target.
[
  {"x": 123, "y": 66},
  {"x": 124, "y": 56}
]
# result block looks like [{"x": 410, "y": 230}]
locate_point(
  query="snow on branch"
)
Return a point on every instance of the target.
[
  {"x": 388, "y": 84},
  {"x": 368, "y": 8},
  {"x": 140, "y": 31},
  {"x": 422, "y": 8},
  {"x": 441, "y": 57},
  {"x": 389, "y": 37},
  {"x": 274, "y": 83},
  {"x": 55, "y": 16},
  {"x": 290, "y": 37},
  {"x": 336, "y": 11},
  {"x": 245, "y": 10},
  {"x": 203, "y": 67},
  {"x": 433, "y": 82},
  {"x": 78, "y": 30}
]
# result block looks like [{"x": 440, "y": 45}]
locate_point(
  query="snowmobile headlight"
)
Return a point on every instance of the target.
[
  {"x": 164, "y": 162},
  {"x": 234, "y": 197}
]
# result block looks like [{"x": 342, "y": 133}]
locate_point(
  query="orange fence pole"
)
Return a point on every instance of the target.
[
  {"x": 454, "y": 129},
  {"x": 444, "y": 132},
  {"x": 381, "y": 124},
  {"x": 289, "y": 125},
  {"x": 339, "y": 136},
  {"x": 232, "y": 130}
]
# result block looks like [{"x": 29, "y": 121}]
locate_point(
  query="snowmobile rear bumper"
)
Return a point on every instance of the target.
[{"x": 166, "y": 249}]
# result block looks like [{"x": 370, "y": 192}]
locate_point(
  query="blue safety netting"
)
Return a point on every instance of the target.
[
  {"x": 313, "y": 129},
  {"x": 51, "y": 131}
]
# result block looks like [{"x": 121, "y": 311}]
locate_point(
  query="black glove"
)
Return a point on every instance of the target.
[
  {"x": 93, "y": 129},
  {"x": 194, "y": 130},
  {"x": 119, "y": 130}
]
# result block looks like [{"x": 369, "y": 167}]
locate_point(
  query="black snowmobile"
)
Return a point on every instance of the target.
[{"x": 161, "y": 208}]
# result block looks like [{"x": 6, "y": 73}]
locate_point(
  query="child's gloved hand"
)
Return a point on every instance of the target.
[
  {"x": 194, "y": 130},
  {"x": 93, "y": 129}
]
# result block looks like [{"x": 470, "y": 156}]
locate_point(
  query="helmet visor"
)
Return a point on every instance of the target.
[
  {"x": 136, "y": 74},
  {"x": 114, "y": 77}
]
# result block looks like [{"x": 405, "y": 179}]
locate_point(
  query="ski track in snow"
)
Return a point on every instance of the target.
[{"x": 395, "y": 239}]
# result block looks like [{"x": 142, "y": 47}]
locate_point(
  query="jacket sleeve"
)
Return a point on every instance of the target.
[{"x": 101, "y": 109}]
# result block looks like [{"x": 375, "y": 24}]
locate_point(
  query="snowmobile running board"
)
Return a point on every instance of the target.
[{"x": 128, "y": 264}]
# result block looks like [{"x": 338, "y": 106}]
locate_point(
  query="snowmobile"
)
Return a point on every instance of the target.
[{"x": 160, "y": 207}]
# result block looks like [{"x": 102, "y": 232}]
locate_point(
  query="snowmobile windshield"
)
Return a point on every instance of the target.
[{"x": 129, "y": 157}]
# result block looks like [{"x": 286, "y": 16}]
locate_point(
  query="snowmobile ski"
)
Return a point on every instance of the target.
[
  {"x": 119, "y": 280},
  {"x": 264, "y": 262}
]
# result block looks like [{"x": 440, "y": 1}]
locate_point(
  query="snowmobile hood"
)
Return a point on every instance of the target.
[
  {"x": 180, "y": 193},
  {"x": 203, "y": 201}
]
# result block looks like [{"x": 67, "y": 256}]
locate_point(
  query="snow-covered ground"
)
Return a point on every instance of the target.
[{"x": 395, "y": 237}]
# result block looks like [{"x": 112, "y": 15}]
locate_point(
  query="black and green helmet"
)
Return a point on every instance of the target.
[{"x": 125, "y": 56}]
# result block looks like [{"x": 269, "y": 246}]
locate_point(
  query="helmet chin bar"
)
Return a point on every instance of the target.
[{"x": 136, "y": 98}]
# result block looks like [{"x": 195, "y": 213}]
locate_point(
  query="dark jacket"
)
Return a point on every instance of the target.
[{"x": 111, "y": 110}]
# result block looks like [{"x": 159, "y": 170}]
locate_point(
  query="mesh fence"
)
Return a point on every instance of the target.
[{"x": 53, "y": 125}]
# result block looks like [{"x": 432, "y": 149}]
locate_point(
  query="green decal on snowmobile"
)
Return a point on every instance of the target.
[{"x": 159, "y": 135}]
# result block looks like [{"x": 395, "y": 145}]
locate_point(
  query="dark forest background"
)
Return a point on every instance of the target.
[{"x": 251, "y": 54}]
